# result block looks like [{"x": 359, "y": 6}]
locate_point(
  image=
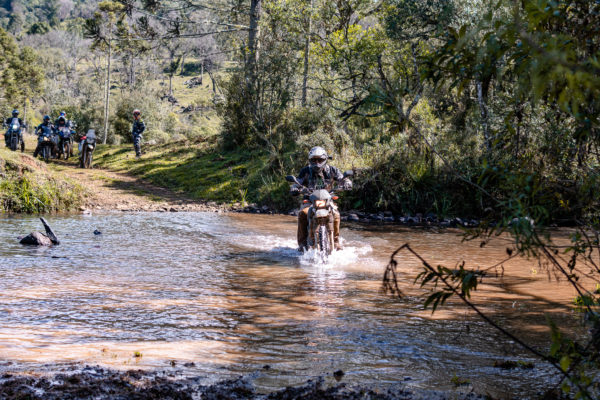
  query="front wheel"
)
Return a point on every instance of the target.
[
  {"x": 83, "y": 157},
  {"x": 14, "y": 142},
  {"x": 46, "y": 153},
  {"x": 66, "y": 149},
  {"x": 323, "y": 241},
  {"x": 89, "y": 160}
]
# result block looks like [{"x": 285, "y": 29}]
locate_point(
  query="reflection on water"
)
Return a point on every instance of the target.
[{"x": 230, "y": 294}]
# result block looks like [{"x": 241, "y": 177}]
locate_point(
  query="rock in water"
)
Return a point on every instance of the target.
[
  {"x": 36, "y": 239},
  {"x": 40, "y": 239}
]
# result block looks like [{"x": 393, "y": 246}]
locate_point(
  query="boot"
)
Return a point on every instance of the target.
[
  {"x": 336, "y": 232},
  {"x": 302, "y": 232}
]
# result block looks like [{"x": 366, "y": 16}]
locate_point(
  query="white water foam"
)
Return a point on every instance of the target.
[{"x": 287, "y": 248}]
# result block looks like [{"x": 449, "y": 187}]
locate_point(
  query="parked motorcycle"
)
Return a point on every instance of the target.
[
  {"x": 320, "y": 215},
  {"x": 15, "y": 137},
  {"x": 86, "y": 149}
]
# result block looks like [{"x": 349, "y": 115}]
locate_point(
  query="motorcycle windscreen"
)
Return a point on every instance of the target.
[{"x": 90, "y": 138}]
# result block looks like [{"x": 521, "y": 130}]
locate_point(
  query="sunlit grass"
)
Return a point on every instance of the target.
[{"x": 195, "y": 169}]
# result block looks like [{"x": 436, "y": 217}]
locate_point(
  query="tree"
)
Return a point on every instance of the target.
[
  {"x": 101, "y": 30},
  {"x": 21, "y": 76}
]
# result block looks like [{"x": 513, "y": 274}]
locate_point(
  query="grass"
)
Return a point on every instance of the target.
[
  {"x": 198, "y": 170},
  {"x": 28, "y": 186}
]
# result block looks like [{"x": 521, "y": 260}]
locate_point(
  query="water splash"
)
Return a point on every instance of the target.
[{"x": 350, "y": 255}]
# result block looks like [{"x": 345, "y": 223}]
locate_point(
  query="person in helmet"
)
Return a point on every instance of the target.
[
  {"x": 9, "y": 122},
  {"x": 44, "y": 129},
  {"x": 136, "y": 131},
  {"x": 319, "y": 175},
  {"x": 67, "y": 122}
]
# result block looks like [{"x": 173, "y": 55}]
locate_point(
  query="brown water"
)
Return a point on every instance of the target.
[{"x": 230, "y": 294}]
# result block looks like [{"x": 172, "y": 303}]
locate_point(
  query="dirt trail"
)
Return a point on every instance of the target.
[{"x": 113, "y": 191}]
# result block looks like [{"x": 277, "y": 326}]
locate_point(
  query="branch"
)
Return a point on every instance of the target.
[{"x": 387, "y": 287}]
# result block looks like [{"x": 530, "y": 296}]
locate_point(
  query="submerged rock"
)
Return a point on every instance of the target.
[{"x": 36, "y": 239}]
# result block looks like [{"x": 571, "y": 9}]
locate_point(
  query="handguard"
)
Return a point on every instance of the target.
[
  {"x": 295, "y": 190},
  {"x": 346, "y": 184}
]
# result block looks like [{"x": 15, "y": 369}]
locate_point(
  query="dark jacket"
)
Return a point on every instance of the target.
[
  {"x": 324, "y": 180},
  {"x": 138, "y": 127},
  {"x": 45, "y": 129}
]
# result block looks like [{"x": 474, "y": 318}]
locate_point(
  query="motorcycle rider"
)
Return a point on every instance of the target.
[
  {"x": 136, "y": 131},
  {"x": 9, "y": 122},
  {"x": 69, "y": 124},
  {"x": 43, "y": 129},
  {"x": 61, "y": 122},
  {"x": 319, "y": 175}
]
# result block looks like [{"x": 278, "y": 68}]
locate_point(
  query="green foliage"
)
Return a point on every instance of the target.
[
  {"x": 39, "y": 28},
  {"x": 21, "y": 77}
]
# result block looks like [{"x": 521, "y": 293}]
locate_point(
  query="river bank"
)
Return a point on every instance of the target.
[
  {"x": 27, "y": 185},
  {"x": 104, "y": 384}
]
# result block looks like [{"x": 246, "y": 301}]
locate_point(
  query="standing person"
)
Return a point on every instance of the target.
[
  {"x": 14, "y": 120},
  {"x": 136, "y": 131}
]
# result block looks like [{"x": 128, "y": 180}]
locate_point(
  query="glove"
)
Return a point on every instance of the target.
[{"x": 347, "y": 184}]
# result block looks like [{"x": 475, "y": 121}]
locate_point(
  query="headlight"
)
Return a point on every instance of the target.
[
  {"x": 15, "y": 127},
  {"x": 320, "y": 203}
]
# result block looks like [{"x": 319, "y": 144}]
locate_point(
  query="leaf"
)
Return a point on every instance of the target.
[{"x": 565, "y": 362}]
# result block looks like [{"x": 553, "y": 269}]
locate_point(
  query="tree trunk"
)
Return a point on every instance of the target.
[
  {"x": 306, "y": 56},
  {"x": 484, "y": 116},
  {"x": 107, "y": 92},
  {"x": 253, "y": 47},
  {"x": 25, "y": 113},
  {"x": 214, "y": 84},
  {"x": 132, "y": 72}
]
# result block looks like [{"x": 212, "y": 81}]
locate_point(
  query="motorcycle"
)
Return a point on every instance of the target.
[
  {"x": 320, "y": 215},
  {"x": 65, "y": 147},
  {"x": 47, "y": 145},
  {"x": 86, "y": 149},
  {"x": 15, "y": 138}
]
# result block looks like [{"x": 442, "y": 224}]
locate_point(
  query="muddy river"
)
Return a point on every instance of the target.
[{"x": 219, "y": 296}]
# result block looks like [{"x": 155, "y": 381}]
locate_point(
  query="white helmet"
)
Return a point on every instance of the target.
[{"x": 317, "y": 158}]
